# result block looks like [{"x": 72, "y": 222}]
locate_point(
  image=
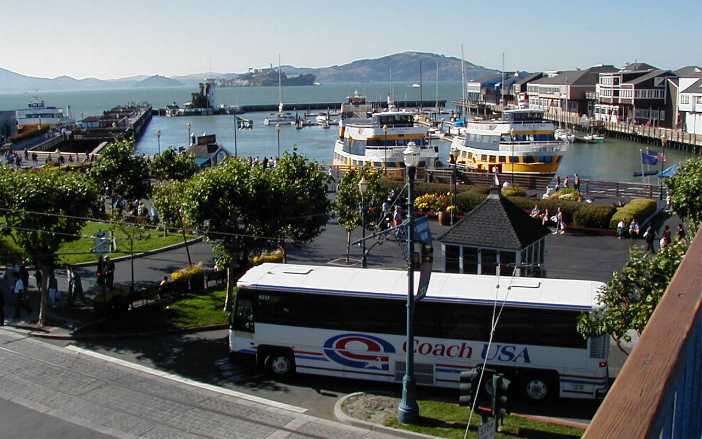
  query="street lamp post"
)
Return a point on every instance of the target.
[
  {"x": 363, "y": 188},
  {"x": 188, "y": 126},
  {"x": 158, "y": 138},
  {"x": 408, "y": 410},
  {"x": 511, "y": 159}
]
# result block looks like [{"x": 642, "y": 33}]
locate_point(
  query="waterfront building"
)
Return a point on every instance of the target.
[
  {"x": 37, "y": 113},
  {"x": 207, "y": 151},
  {"x": 637, "y": 93},
  {"x": 488, "y": 90},
  {"x": 519, "y": 88},
  {"x": 495, "y": 233},
  {"x": 565, "y": 91},
  {"x": 688, "y": 101}
]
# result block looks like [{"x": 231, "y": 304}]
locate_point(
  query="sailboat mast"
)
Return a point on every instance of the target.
[
  {"x": 463, "y": 82},
  {"x": 436, "y": 88},
  {"x": 421, "y": 96},
  {"x": 280, "y": 87}
]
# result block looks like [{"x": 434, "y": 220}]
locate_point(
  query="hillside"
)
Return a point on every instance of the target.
[
  {"x": 404, "y": 66},
  {"x": 157, "y": 81}
]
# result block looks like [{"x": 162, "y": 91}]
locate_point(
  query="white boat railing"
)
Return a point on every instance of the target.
[{"x": 533, "y": 147}]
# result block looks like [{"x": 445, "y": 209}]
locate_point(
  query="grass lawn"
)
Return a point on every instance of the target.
[
  {"x": 79, "y": 251},
  {"x": 189, "y": 311},
  {"x": 449, "y": 420}
]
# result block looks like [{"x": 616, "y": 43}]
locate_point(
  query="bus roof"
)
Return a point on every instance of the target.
[{"x": 527, "y": 292}]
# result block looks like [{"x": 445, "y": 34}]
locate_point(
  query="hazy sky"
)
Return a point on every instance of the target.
[{"x": 117, "y": 38}]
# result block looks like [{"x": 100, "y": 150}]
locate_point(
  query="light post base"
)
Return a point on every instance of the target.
[{"x": 408, "y": 410}]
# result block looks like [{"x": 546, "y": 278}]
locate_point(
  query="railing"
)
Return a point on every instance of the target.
[{"x": 658, "y": 393}]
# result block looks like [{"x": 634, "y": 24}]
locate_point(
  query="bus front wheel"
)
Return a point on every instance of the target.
[
  {"x": 537, "y": 388},
  {"x": 280, "y": 364}
]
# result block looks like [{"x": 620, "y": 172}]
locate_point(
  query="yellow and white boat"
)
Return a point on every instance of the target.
[
  {"x": 521, "y": 142},
  {"x": 378, "y": 139}
]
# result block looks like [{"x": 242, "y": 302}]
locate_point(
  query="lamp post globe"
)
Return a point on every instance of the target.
[{"x": 408, "y": 410}]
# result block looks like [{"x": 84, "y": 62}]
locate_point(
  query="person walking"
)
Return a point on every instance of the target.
[
  {"x": 109, "y": 272},
  {"x": 633, "y": 229},
  {"x": 665, "y": 239},
  {"x": 20, "y": 297},
  {"x": 576, "y": 182},
  {"x": 650, "y": 237},
  {"x": 620, "y": 229}
]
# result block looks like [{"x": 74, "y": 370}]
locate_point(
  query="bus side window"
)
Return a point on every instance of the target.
[{"x": 243, "y": 317}]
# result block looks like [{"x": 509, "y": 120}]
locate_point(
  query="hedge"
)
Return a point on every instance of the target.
[
  {"x": 639, "y": 208},
  {"x": 513, "y": 191},
  {"x": 594, "y": 215},
  {"x": 468, "y": 200}
]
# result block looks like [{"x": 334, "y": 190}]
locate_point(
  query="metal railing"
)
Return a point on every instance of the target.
[{"x": 658, "y": 393}]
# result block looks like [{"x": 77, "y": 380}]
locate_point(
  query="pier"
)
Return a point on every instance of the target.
[{"x": 314, "y": 106}]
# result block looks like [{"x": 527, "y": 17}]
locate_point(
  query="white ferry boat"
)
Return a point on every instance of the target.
[
  {"x": 378, "y": 140},
  {"x": 521, "y": 142},
  {"x": 37, "y": 113}
]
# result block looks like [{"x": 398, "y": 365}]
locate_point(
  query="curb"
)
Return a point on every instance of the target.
[
  {"x": 77, "y": 337},
  {"x": 553, "y": 421},
  {"x": 143, "y": 254},
  {"x": 349, "y": 420}
]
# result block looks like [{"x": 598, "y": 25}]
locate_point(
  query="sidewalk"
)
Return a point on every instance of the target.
[{"x": 129, "y": 401}]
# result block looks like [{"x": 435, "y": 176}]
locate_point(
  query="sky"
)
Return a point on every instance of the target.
[{"x": 113, "y": 39}]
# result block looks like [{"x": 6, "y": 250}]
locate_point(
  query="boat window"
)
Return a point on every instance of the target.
[
  {"x": 547, "y": 159},
  {"x": 493, "y": 159},
  {"x": 528, "y": 159},
  {"x": 503, "y": 159},
  {"x": 483, "y": 157},
  {"x": 515, "y": 159}
]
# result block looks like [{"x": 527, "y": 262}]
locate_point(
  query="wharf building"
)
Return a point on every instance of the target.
[
  {"x": 566, "y": 91},
  {"x": 689, "y": 99},
  {"x": 494, "y": 90},
  {"x": 637, "y": 93}
]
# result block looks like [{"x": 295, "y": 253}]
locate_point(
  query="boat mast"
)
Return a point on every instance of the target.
[
  {"x": 280, "y": 88},
  {"x": 421, "y": 97},
  {"x": 502, "y": 82},
  {"x": 463, "y": 82},
  {"x": 436, "y": 88}
]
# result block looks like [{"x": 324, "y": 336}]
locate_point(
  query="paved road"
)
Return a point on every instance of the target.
[{"x": 122, "y": 402}]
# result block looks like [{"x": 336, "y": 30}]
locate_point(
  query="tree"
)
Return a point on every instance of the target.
[
  {"x": 632, "y": 294},
  {"x": 118, "y": 170},
  {"x": 245, "y": 209},
  {"x": 171, "y": 165},
  {"x": 348, "y": 201},
  {"x": 686, "y": 191},
  {"x": 42, "y": 210}
]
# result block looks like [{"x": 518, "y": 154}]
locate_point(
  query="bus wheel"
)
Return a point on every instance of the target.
[
  {"x": 537, "y": 388},
  {"x": 280, "y": 364}
]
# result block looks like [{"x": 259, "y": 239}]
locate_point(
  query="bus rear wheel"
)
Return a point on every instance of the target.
[
  {"x": 537, "y": 388},
  {"x": 280, "y": 364}
]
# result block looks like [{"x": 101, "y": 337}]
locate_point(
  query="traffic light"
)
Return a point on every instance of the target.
[
  {"x": 468, "y": 386},
  {"x": 502, "y": 402}
]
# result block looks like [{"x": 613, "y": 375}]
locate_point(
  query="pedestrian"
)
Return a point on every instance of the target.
[
  {"x": 53, "y": 290},
  {"x": 665, "y": 239},
  {"x": 681, "y": 235},
  {"x": 561, "y": 222},
  {"x": 620, "y": 229},
  {"x": 162, "y": 287},
  {"x": 566, "y": 182},
  {"x": 109, "y": 272},
  {"x": 397, "y": 216},
  {"x": 70, "y": 274},
  {"x": 634, "y": 229},
  {"x": 20, "y": 294},
  {"x": 535, "y": 211},
  {"x": 576, "y": 181},
  {"x": 545, "y": 218},
  {"x": 650, "y": 237}
]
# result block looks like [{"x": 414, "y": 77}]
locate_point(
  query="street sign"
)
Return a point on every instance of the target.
[{"x": 487, "y": 429}]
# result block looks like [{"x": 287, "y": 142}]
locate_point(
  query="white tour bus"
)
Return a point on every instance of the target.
[{"x": 350, "y": 322}]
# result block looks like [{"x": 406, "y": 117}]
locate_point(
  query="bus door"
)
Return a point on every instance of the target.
[{"x": 242, "y": 323}]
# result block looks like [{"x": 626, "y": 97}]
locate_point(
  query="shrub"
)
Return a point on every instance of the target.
[
  {"x": 567, "y": 207},
  {"x": 594, "y": 215},
  {"x": 432, "y": 202},
  {"x": 187, "y": 272},
  {"x": 525, "y": 203},
  {"x": 466, "y": 201},
  {"x": 271, "y": 256},
  {"x": 513, "y": 191},
  {"x": 639, "y": 208}
]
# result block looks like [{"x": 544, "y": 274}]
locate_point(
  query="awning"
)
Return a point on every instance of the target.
[{"x": 669, "y": 171}]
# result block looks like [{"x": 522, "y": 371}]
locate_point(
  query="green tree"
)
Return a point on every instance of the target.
[
  {"x": 632, "y": 294},
  {"x": 686, "y": 191},
  {"x": 171, "y": 165},
  {"x": 348, "y": 201},
  {"x": 119, "y": 170},
  {"x": 42, "y": 210},
  {"x": 245, "y": 209}
]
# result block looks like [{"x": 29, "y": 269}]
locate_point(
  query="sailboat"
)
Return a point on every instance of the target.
[{"x": 281, "y": 117}]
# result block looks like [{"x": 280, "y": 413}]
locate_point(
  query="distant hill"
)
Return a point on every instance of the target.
[
  {"x": 404, "y": 66},
  {"x": 156, "y": 81}
]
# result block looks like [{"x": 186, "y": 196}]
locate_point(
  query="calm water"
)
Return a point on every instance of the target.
[{"x": 613, "y": 160}]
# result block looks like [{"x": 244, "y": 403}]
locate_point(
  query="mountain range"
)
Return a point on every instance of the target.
[{"x": 400, "y": 67}]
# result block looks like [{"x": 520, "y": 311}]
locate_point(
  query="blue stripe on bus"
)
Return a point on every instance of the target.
[
  {"x": 425, "y": 299},
  {"x": 347, "y": 371},
  {"x": 307, "y": 357},
  {"x": 441, "y": 369}
]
